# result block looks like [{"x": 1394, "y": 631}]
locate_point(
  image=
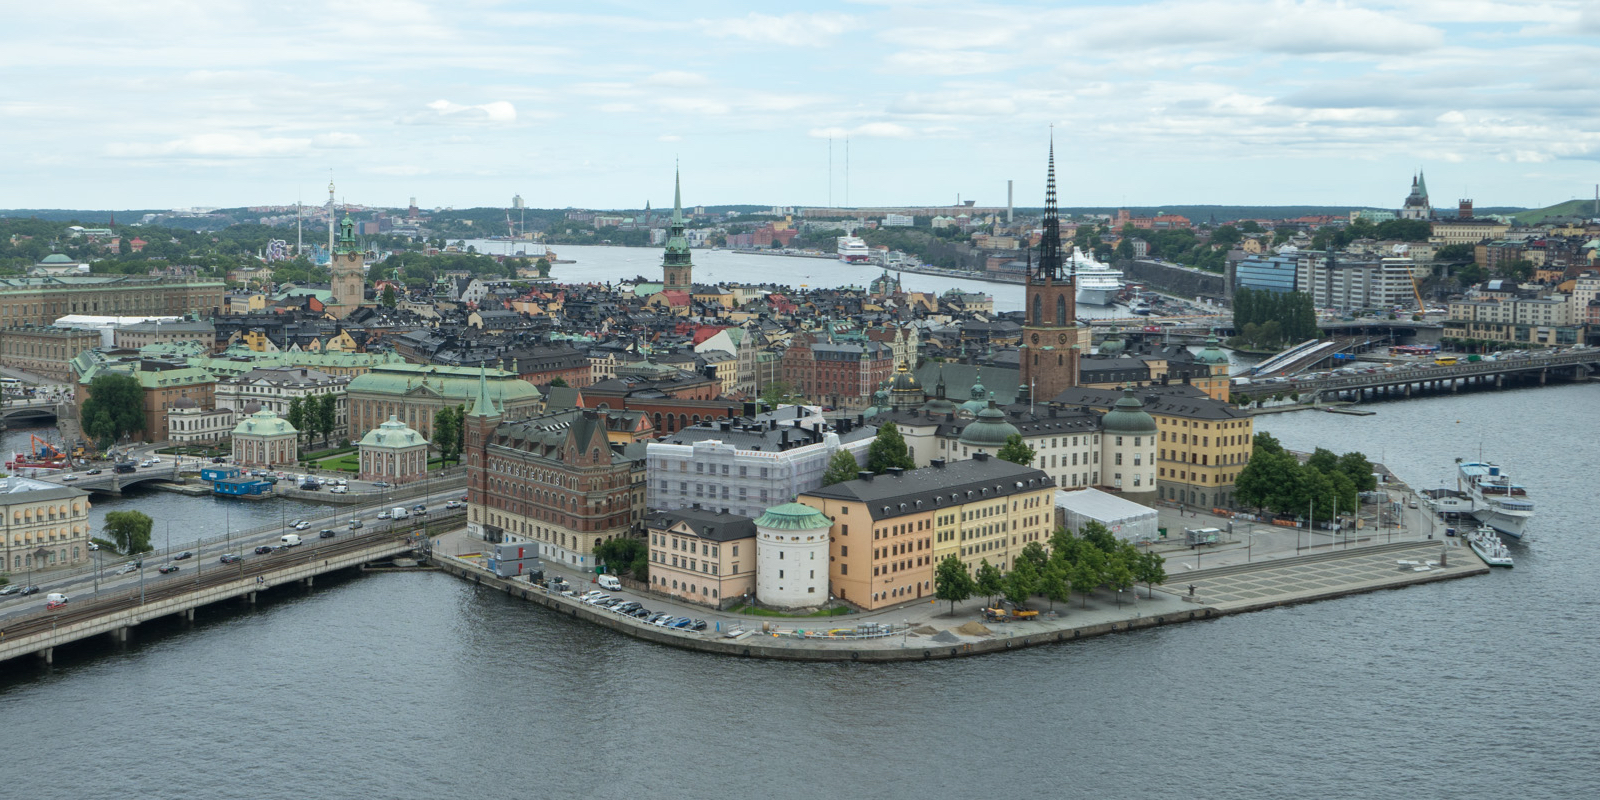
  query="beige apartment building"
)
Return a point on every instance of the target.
[{"x": 703, "y": 557}]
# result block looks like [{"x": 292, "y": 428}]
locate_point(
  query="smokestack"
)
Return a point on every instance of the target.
[
  {"x": 1464, "y": 210},
  {"x": 1009, "y": 208}
]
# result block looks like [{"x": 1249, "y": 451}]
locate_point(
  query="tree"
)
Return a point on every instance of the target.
[
  {"x": 1015, "y": 451},
  {"x": 1088, "y": 572},
  {"x": 388, "y": 300},
  {"x": 1119, "y": 571},
  {"x": 1056, "y": 582},
  {"x": 1226, "y": 235},
  {"x": 1323, "y": 459},
  {"x": 1454, "y": 253},
  {"x": 444, "y": 433},
  {"x": 952, "y": 582},
  {"x": 115, "y": 407},
  {"x": 842, "y": 467},
  {"x": 326, "y": 414},
  {"x": 622, "y": 554},
  {"x": 130, "y": 530},
  {"x": 1098, "y": 535},
  {"x": 888, "y": 449},
  {"x": 543, "y": 266},
  {"x": 298, "y": 416},
  {"x": 1035, "y": 554},
  {"x": 989, "y": 582},
  {"x": 777, "y": 393},
  {"x": 1021, "y": 582},
  {"x": 1356, "y": 466},
  {"x": 1150, "y": 568},
  {"x": 559, "y": 381}
]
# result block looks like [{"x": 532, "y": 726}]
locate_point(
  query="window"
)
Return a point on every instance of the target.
[
  {"x": 844, "y": 550},
  {"x": 844, "y": 569}
]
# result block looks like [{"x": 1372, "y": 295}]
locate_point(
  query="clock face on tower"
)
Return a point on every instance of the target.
[
  {"x": 1036, "y": 338},
  {"x": 1061, "y": 337}
]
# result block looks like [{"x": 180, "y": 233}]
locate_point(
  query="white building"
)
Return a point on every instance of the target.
[
  {"x": 745, "y": 465},
  {"x": 188, "y": 423},
  {"x": 273, "y": 388},
  {"x": 1355, "y": 284},
  {"x": 792, "y": 556}
]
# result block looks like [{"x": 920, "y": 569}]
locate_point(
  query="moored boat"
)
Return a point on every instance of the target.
[
  {"x": 1497, "y": 501},
  {"x": 1486, "y": 543}
]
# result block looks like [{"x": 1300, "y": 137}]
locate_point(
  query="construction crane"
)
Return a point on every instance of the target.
[{"x": 1417, "y": 291}]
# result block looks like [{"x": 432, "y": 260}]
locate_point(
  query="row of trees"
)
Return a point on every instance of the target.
[
  {"x": 1405, "y": 230},
  {"x": 1268, "y": 319},
  {"x": 449, "y": 432},
  {"x": 1082, "y": 563},
  {"x": 312, "y": 415},
  {"x": 1277, "y": 480}
]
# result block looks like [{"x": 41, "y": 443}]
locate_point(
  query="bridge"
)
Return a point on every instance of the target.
[
  {"x": 1432, "y": 377},
  {"x": 37, "y": 410},
  {"x": 115, "y": 614},
  {"x": 112, "y": 482}
]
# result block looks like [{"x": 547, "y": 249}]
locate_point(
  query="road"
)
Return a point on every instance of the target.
[{"x": 207, "y": 554}]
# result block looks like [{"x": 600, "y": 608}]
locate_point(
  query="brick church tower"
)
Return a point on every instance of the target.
[{"x": 1049, "y": 357}]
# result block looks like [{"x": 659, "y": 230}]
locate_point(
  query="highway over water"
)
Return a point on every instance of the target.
[{"x": 1570, "y": 365}]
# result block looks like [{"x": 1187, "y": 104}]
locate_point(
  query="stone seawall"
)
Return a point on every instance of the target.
[{"x": 1178, "y": 281}]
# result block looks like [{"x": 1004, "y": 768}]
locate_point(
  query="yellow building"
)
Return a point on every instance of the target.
[
  {"x": 890, "y": 530},
  {"x": 42, "y": 525},
  {"x": 1202, "y": 443}
]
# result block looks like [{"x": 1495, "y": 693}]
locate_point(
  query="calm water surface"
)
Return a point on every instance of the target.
[{"x": 418, "y": 686}]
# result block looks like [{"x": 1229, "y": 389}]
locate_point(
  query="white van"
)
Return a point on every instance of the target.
[
  {"x": 399, "y": 512},
  {"x": 290, "y": 539},
  {"x": 56, "y": 598},
  {"x": 609, "y": 582}
]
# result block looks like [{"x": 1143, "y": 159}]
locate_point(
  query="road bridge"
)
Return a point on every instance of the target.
[
  {"x": 1432, "y": 377},
  {"x": 116, "y": 613},
  {"x": 112, "y": 482},
  {"x": 29, "y": 411}
]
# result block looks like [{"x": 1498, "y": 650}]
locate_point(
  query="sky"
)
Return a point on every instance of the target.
[{"x": 179, "y": 103}]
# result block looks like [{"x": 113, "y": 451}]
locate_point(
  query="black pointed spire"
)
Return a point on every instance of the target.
[{"x": 1050, "y": 242}]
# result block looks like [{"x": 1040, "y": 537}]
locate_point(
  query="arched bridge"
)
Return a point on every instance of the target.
[
  {"x": 1575, "y": 364},
  {"x": 110, "y": 482},
  {"x": 17, "y": 411}
]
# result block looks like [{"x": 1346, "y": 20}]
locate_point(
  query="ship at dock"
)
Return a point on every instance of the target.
[
  {"x": 1098, "y": 284},
  {"x": 853, "y": 250},
  {"x": 1496, "y": 500}
]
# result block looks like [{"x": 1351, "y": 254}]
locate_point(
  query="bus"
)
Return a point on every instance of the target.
[{"x": 1445, "y": 361}]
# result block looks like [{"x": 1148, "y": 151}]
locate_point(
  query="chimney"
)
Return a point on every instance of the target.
[
  {"x": 896, "y": 471},
  {"x": 727, "y": 426},
  {"x": 865, "y": 476},
  {"x": 980, "y": 456},
  {"x": 1464, "y": 210},
  {"x": 937, "y": 463},
  {"x": 750, "y": 408}
]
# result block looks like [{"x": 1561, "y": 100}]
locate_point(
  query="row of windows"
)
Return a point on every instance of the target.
[
  {"x": 686, "y": 586},
  {"x": 1203, "y": 459},
  {"x": 1186, "y": 475}
]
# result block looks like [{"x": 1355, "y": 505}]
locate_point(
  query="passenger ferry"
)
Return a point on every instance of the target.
[
  {"x": 1098, "y": 284},
  {"x": 1497, "y": 502},
  {"x": 852, "y": 250}
]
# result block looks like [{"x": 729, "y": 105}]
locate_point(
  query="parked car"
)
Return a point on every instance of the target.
[
  {"x": 263, "y": 549},
  {"x": 699, "y": 625},
  {"x": 654, "y": 617},
  {"x": 380, "y": 484},
  {"x": 325, "y": 533},
  {"x": 228, "y": 558},
  {"x": 340, "y": 489},
  {"x": 183, "y": 555},
  {"x": 166, "y": 568}
]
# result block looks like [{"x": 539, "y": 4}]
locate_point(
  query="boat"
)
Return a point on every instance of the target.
[
  {"x": 1098, "y": 284},
  {"x": 853, "y": 250},
  {"x": 1141, "y": 309},
  {"x": 1496, "y": 501},
  {"x": 1486, "y": 543}
]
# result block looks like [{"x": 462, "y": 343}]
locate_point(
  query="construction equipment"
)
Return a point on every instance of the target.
[{"x": 1417, "y": 292}]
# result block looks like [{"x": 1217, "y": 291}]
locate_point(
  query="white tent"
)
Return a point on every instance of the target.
[{"x": 1125, "y": 519}]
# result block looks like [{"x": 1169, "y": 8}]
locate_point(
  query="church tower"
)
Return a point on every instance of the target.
[
  {"x": 349, "y": 280},
  {"x": 676, "y": 268},
  {"x": 1050, "y": 344}
]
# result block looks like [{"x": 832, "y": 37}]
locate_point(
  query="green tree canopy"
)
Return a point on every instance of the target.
[
  {"x": 888, "y": 449},
  {"x": 842, "y": 467},
  {"x": 1015, "y": 451},
  {"x": 624, "y": 555},
  {"x": 952, "y": 582},
  {"x": 129, "y": 530},
  {"x": 1021, "y": 582},
  {"x": 115, "y": 407},
  {"x": 990, "y": 583}
]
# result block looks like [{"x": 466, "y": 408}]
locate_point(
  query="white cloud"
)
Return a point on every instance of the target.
[
  {"x": 677, "y": 78},
  {"x": 881, "y": 130},
  {"x": 402, "y": 170},
  {"x": 338, "y": 139},
  {"x": 498, "y": 111},
  {"x": 810, "y": 30},
  {"x": 214, "y": 145},
  {"x": 669, "y": 137}
]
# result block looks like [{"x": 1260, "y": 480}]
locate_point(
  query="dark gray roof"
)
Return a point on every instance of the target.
[
  {"x": 929, "y": 488},
  {"x": 1176, "y": 400},
  {"x": 958, "y": 380},
  {"x": 716, "y": 526},
  {"x": 770, "y": 431}
]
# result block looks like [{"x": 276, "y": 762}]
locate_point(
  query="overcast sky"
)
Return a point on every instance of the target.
[{"x": 162, "y": 103}]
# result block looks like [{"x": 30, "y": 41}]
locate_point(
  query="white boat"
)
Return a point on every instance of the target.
[
  {"x": 852, "y": 250},
  {"x": 1486, "y": 543},
  {"x": 1098, "y": 284},
  {"x": 1497, "y": 502}
]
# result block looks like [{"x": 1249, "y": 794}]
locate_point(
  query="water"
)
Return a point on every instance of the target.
[
  {"x": 603, "y": 264},
  {"x": 182, "y": 518},
  {"x": 419, "y": 686}
]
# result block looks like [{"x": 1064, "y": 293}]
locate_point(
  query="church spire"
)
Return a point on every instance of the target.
[
  {"x": 1050, "y": 242},
  {"x": 483, "y": 404},
  {"x": 677, "y": 266}
]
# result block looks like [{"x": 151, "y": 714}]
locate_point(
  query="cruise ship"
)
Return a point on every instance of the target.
[
  {"x": 1496, "y": 501},
  {"x": 1098, "y": 284},
  {"x": 852, "y": 250}
]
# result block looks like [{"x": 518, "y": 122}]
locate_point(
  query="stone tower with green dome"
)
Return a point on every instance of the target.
[
  {"x": 677, "y": 269},
  {"x": 1130, "y": 451},
  {"x": 349, "y": 277}
]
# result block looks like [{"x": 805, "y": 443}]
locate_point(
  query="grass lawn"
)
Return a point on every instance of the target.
[{"x": 764, "y": 612}]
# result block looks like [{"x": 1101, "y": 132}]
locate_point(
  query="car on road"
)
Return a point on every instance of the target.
[
  {"x": 355, "y": 524},
  {"x": 453, "y": 504},
  {"x": 128, "y": 567},
  {"x": 95, "y": 471},
  {"x": 27, "y": 590},
  {"x": 228, "y": 558},
  {"x": 380, "y": 484},
  {"x": 419, "y": 509},
  {"x": 340, "y": 490},
  {"x": 183, "y": 555},
  {"x": 12, "y": 589},
  {"x": 383, "y": 514},
  {"x": 166, "y": 568},
  {"x": 263, "y": 549},
  {"x": 325, "y": 533},
  {"x": 302, "y": 525},
  {"x": 217, "y": 460},
  {"x": 69, "y": 477}
]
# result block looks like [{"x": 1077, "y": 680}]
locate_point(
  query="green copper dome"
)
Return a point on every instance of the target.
[
  {"x": 1113, "y": 345},
  {"x": 1128, "y": 417},
  {"x": 1212, "y": 354},
  {"x": 793, "y": 517},
  {"x": 990, "y": 429}
]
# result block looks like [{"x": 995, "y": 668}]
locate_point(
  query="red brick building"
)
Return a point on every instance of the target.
[{"x": 840, "y": 375}]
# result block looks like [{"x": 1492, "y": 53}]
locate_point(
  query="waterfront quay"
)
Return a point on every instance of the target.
[{"x": 926, "y": 630}]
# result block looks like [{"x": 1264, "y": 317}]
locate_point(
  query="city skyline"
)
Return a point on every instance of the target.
[{"x": 467, "y": 104}]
